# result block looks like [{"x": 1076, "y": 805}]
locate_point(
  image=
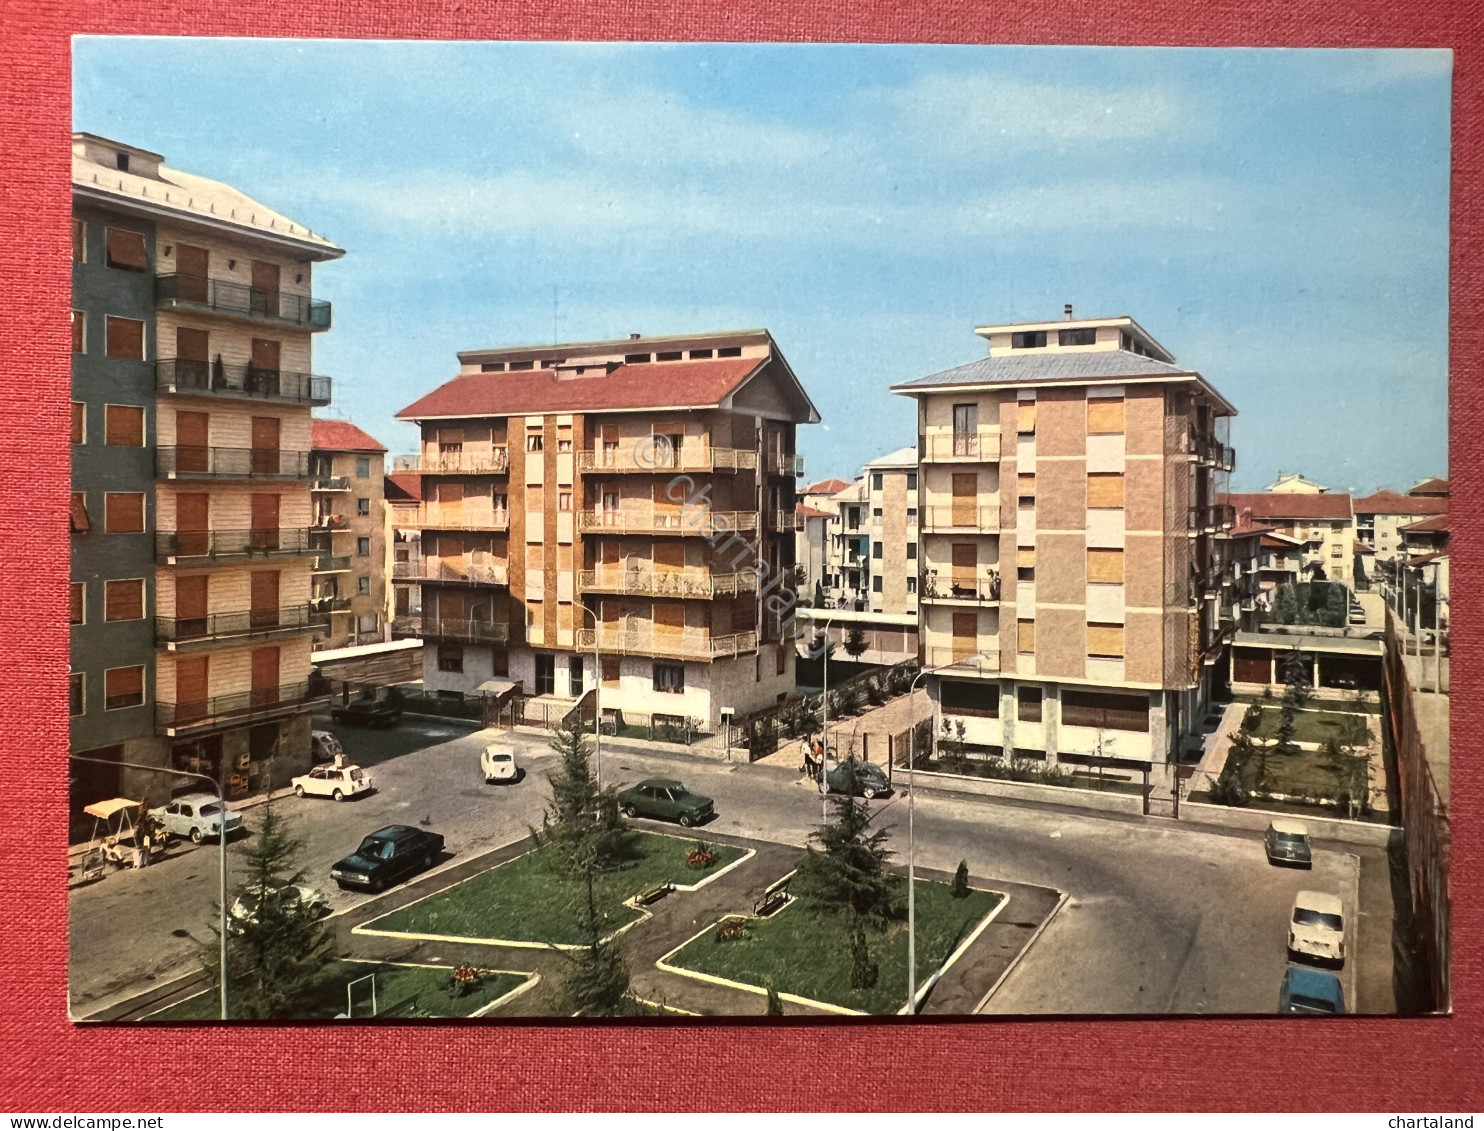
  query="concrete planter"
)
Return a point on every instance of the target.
[
  {"x": 1256, "y": 820},
  {"x": 1026, "y": 791}
]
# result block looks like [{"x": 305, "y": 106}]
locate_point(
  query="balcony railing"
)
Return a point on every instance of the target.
[
  {"x": 239, "y": 301},
  {"x": 785, "y": 520},
  {"x": 446, "y": 516},
  {"x": 645, "y": 582},
  {"x": 496, "y": 462},
  {"x": 230, "y": 463},
  {"x": 331, "y": 563},
  {"x": 243, "y": 623},
  {"x": 322, "y": 607},
  {"x": 644, "y": 455},
  {"x": 464, "y": 631},
  {"x": 178, "y": 546},
  {"x": 1210, "y": 519},
  {"x": 972, "y": 517},
  {"x": 968, "y": 447},
  {"x": 330, "y": 522},
  {"x": 984, "y": 661},
  {"x": 407, "y": 626},
  {"x": 330, "y": 483},
  {"x": 458, "y": 574},
  {"x": 216, "y": 379},
  {"x": 782, "y": 463},
  {"x": 1213, "y": 454},
  {"x": 694, "y": 520},
  {"x": 645, "y": 640},
  {"x": 938, "y": 587},
  {"x": 173, "y": 718}
]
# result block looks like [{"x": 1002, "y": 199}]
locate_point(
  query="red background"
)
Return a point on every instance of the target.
[{"x": 47, "y": 1064}]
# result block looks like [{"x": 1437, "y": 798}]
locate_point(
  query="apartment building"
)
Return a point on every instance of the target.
[
  {"x": 817, "y": 513},
  {"x": 1322, "y": 524},
  {"x": 632, "y": 498},
  {"x": 192, "y": 323},
  {"x": 349, "y": 534},
  {"x": 1083, "y": 467},
  {"x": 1379, "y": 518},
  {"x": 403, "y": 491}
]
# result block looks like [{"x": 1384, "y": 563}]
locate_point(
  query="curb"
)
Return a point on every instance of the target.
[{"x": 1014, "y": 962}]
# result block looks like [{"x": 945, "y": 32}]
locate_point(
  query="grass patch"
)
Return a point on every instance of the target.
[
  {"x": 808, "y": 954},
  {"x": 527, "y": 900},
  {"x": 1312, "y": 726},
  {"x": 401, "y": 991}
]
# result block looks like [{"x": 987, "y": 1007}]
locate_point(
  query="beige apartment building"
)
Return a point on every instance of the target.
[
  {"x": 348, "y": 469},
  {"x": 1068, "y": 508},
  {"x": 633, "y": 498}
]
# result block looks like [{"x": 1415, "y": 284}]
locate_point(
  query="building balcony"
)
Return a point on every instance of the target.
[
  {"x": 234, "y": 300},
  {"x": 962, "y": 519},
  {"x": 330, "y": 483},
  {"x": 783, "y": 463},
  {"x": 230, "y": 463},
  {"x": 647, "y": 582},
  {"x": 1215, "y": 455},
  {"x": 459, "y": 462},
  {"x": 647, "y": 640},
  {"x": 330, "y": 522},
  {"x": 784, "y": 521},
  {"x": 644, "y": 455},
  {"x": 215, "y": 379},
  {"x": 330, "y": 563},
  {"x": 407, "y": 626},
  {"x": 1210, "y": 519},
  {"x": 192, "y": 547},
  {"x": 464, "y": 631},
  {"x": 177, "y": 633},
  {"x": 960, "y": 447},
  {"x": 694, "y": 520},
  {"x": 958, "y": 590},
  {"x": 322, "y": 606},
  {"x": 963, "y": 659},
  {"x": 454, "y": 573},
  {"x": 451, "y": 516},
  {"x": 228, "y": 710}
]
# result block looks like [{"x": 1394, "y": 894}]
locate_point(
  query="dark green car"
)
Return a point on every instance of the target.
[{"x": 666, "y": 799}]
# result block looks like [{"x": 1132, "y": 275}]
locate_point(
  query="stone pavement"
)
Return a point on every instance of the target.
[{"x": 866, "y": 733}]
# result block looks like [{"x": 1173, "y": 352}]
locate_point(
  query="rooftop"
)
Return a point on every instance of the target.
[
  {"x": 1437, "y": 487},
  {"x": 902, "y": 457},
  {"x": 403, "y": 487},
  {"x": 1390, "y": 502},
  {"x": 1439, "y": 524},
  {"x": 342, "y": 436},
  {"x": 1267, "y": 506},
  {"x": 825, "y": 487}
]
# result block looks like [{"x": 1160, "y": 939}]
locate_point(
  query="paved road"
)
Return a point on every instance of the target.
[{"x": 1160, "y": 918}]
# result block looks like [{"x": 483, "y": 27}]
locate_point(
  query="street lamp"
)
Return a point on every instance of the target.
[
  {"x": 912, "y": 856},
  {"x": 221, "y": 801},
  {"x": 597, "y": 701},
  {"x": 824, "y": 707}
]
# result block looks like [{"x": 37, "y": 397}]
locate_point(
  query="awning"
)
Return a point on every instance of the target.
[
  {"x": 106, "y": 809},
  {"x": 497, "y": 687}
]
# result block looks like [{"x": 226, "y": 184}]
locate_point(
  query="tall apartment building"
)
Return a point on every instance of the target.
[
  {"x": 192, "y": 325},
  {"x": 349, "y": 534},
  {"x": 1380, "y": 517},
  {"x": 403, "y": 491},
  {"x": 1083, "y": 466},
  {"x": 1320, "y": 522},
  {"x": 633, "y": 496}
]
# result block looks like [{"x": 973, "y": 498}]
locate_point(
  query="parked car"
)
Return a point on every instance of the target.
[
  {"x": 667, "y": 799},
  {"x": 1287, "y": 842},
  {"x": 331, "y": 780},
  {"x": 498, "y": 764},
  {"x": 367, "y": 713},
  {"x": 325, "y": 747},
  {"x": 196, "y": 815},
  {"x": 862, "y": 779},
  {"x": 311, "y": 901},
  {"x": 1310, "y": 991},
  {"x": 1317, "y": 927},
  {"x": 386, "y": 856}
]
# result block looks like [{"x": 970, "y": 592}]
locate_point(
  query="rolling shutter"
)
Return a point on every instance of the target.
[
  {"x": 1105, "y": 566},
  {"x": 1105, "y": 489}
]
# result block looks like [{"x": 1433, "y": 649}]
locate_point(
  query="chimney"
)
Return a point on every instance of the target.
[
  {"x": 635, "y": 337},
  {"x": 1066, "y": 312}
]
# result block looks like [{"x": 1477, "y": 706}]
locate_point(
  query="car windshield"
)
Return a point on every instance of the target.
[
  {"x": 1291, "y": 839},
  {"x": 1313, "y": 1004},
  {"x": 356, "y": 775},
  {"x": 210, "y": 808},
  {"x": 502, "y": 757},
  {"x": 1308, "y": 917},
  {"x": 678, "y": 791},
  {"x": 374, "y": 848}
]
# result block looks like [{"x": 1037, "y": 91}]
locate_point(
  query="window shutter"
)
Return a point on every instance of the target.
[
  {"x": 126, "y": 250},
  {"x": 77, "y": 594},
  {"x": 123, "y": 513},
  {"x": 79, "y": 325},
  {"x": 79, "y": 422},
  {"x": 1025, "y": 484},
  {"x": 1105, "y": 566},
  {"x": 1105, "y": 640},
  {"x": 1025, "y": 557},
  {"x": 1027, "y": 420},
  {"x": 125, "y": 338},
  {"x": 1105, "y": 415},
  {"x": 80, "y": 522},
  {"x": 1105, "y": 489},
  {"x": 123, "y": 600},
  {"x": 1025, "y": 636},
  {"x": 123, "y": 687},
  {"x": 123, "y": 426}
]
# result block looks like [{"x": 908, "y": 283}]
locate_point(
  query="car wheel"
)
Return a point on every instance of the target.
[
  {"x": 630, "y": 811},
  {"x": 868, "y": 793},
  {"x": 378, "y": 886},
  {"x": 338, "y": 796},
  {"x": 298, "y": 791},
  {"x": 427, "y": 861},
  {"x": 197, "y": 836},
  {"x": 686, "y": 820}
]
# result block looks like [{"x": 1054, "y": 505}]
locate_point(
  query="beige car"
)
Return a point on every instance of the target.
[
  {"x": 334, "y": 781},
  {"x": 1316, "y": 929}
]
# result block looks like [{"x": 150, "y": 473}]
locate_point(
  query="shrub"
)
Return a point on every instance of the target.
[
  {"x": 1252, "y": 719},
  {"x": 875, "y": 694},
  {"x": 847, "y": 701},
  {"x": 701, "y": 855},
  {"x": 961, "y": 881},
  {"x": 731, "y": 930}
]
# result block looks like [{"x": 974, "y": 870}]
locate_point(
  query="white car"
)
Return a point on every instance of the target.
[
  {"x": 1317, "y": 927},
  {"x": 196, "y": 815},
  {"x": 245, "y": 907},
  {"x": 334, "y": 781},
  {"x": 498, "y": 764}
]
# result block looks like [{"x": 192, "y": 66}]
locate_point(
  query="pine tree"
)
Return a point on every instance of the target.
[
  {"x": 1295, "y": 694},
  {"x": 581, "y": 828},
  {"x": 961, "y": 881},
  {"x": 597, "y": 982},
  {"x": 775, "y": 1003},
  {"x": 855, "y": 643},
  {"x": 278, "y": 951}
]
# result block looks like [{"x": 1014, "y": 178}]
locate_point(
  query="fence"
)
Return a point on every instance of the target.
[{"x": 802, "y": 715}]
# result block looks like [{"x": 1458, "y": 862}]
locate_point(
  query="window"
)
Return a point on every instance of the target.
[
  {"x": 450, "y": 658},
  {"x": 911, "y": 480},
  {"x": 1105, "y": 566},
  {"x": 78, "y": 518},
  {"x": 911, "y": 551},
  {"x": 911, "y": 512},
  {"x": 79, "y": 241},
  {"x": 564, "y": 500},
  {"x": 1104, "y": 415},
  {"x": 612, "y": 671},
  {"x": 1126, "y": 341},
  {"x": 78, "y": 602},
  {"x": 1025, "y": 573},
  {"x": 669, "y": 678},
  {"x": 1105, "y": 641},
  {"x": 698, "y": 355},
  {"x": 1027, "y": 339},
  {"x": 1025, "y": 486},
  {"x": 123, "y": 687},
  {"x": 1084, "y": 336},
  {"x": 960, "y": 697},
  {"x": 533, "y": 442},
  {"x": 780, "y": 664},
  {"x": 519, "y": 366},
  {"x": 1028, "y": 704},
  {"x": 1105, "y": 489},
  {"x": 729, "y": 351},
  {"x": 79, "y": 332},
  {"x": 124, "y": 338},
  {"x": 123, "y": 600},
  {"x": 875, "y": 512},
  {"x": 876, "y": 584},
  {"x": 564, "y": 443},
  {"x": 1025, "y": 636},
  {"x": 79, "y": 422},
  {"x": 876, "y": 481},
  {"x": 911, "y": 583},
  {"x": 1112, "y": 712},
  {"x": 121, "y": 162},
  {"x": 363, "y": 506},
  {"x": 1334, "y": 552},
  {"x": 1025, "y": 417},
  {"x": 669, "y": 355},
  {"x": 123, "y": 512},
  {"x": 363, "y": 547},
  {"x": 492, "y": 367},
  {"x": 876, "y": 550},
  {"x": 125, "y": 250},
  {"x": 74, "y": 693},
  {"x": 363, "y": 467},
  {"x": 363, "y": 585},
  {"x": 123, "y": 426},
  {"x": 636, "y": 358}
]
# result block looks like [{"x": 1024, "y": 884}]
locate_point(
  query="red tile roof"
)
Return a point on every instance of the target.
[
  {"x": 404, "y": 487},
  {"x": 1362, "y": 548},
  {"x": 1389, "y": 502},
  {"x": 1274, "y": 505},
  {"x": 1425, "y": 558},
  {"x": 1431, "y": 487},
  {"x": 811, "y": 512},
  {"x": 343, "y": 436},
  {"x": 825, "y": 487},
  {"x": 1440, "y": 523},
  {"x": 660, "y": 384},
  {"x": 1245, "y": 525}
]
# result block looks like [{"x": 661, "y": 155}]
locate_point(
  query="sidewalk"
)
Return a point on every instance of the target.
[{"x": 869, "y": 731}]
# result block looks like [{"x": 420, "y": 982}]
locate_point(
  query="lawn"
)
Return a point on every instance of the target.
[
  {"x": 808, "y": 954},
  {"x": 401, "y": 991},
  {"x": 526, "y": 900},
  {"x": 1314, "y": 726}
]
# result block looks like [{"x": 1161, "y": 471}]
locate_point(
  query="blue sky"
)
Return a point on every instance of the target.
[{"x": 1276, "y": 218}]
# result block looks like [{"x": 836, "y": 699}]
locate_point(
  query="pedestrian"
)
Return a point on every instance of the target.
[{"x": 146, "y": 846}]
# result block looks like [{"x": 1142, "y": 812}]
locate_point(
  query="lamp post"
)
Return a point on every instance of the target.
[
  {"x": 912, "y": 858},
  {"x": 597, "y": 700},
  {"x": 221, "y": 841},
  {"x": 824, "y": 707}
]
